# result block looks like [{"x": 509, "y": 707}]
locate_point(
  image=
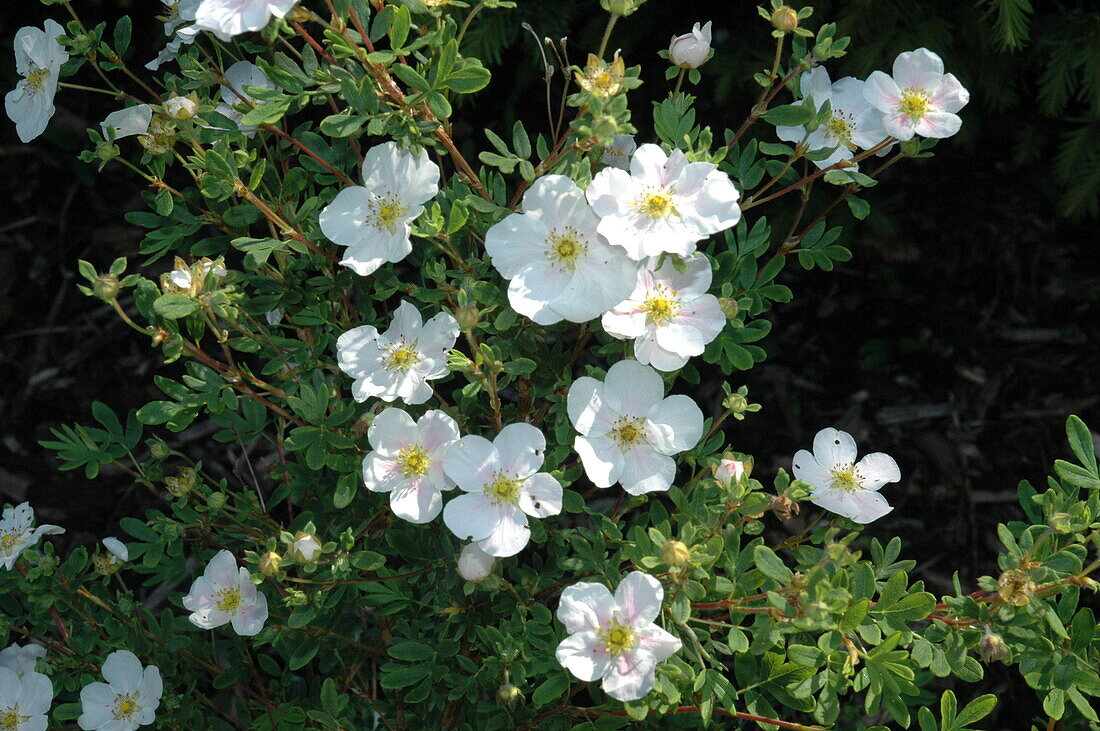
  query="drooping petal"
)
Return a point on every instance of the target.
[
  {"x": 582, "y": 655},
  {"x": 833, "y": 448},
  {"x": 585, "y": 607}
]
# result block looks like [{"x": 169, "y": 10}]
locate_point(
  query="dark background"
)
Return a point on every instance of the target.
[{"x": 958, "y": 339}]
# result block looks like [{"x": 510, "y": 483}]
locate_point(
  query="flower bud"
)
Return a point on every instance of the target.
[
  {"x": 509, "y": 694},
  {"x": 731, "y": 471},
  {"x": 691, "y": 50},
  {"x": 106, "y": 287},
  {"x": 306, "y": 548},
  {"x": 467, "y": 317},
  {"x": 785, "y": 18},
  {"x": 269, "y": 563},
  {"x": 182, "y": 483},
  {"x": 474, "y": 564},
  {"x": 216, "y": 501},
  {"x": 621, "y": 7},
  {"x": 181, "y": 107},
  {"x": 730, "y": 308},
  {"x": 993, "y": 647},
  {"x": 1015, "y": 588},
  {"x": 107, "y": 151},
  {"x": 675, "y": 553},
  {"x": 159, "y": 449},
  {"x": 736, "y": 403}
]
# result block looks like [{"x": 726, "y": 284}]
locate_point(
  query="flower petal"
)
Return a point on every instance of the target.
[
  {"x": 510, "y": 534},
  {"x": 602, "y": 459},
  {"x": 582, "y": 655},
  {"x": 472, "y": 462},
  {"x": 471, "y": 517},
  {"x": 521, "y": 447},
  {"x": 631, "y": 676},
  {"x": 833, "y": 448},
  {"x": 675, "y": 424},
  {"x": 585, "y": 606},
  {"x": 391, "y": 431},
  {"x": 540, "y": 496},
  {"x": 646, "y": 470},
  {"x": 632, "y": 389},
  {"x": 122, "y": 670},
  {"x": 639, "y": 598},
  {"x": 659, "y": 643},
  {"x": 876, "y": 469},
  {"x": 806, "y": 468}
]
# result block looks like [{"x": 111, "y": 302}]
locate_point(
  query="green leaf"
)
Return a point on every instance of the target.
[
  {"x": 412, "y": 651},
  {"x": 859, "y": 207},
  {"x": 174, "y": 306},
  {"x": 1081, "y": 442},
  {"x": 399, "y": 26},
  {"x": 342, "y": 125},
  {"x": 789, "y": 115},
  {"x": 910, "y": 608},
  {"x": 975, "y": 710},
  {"x": 468, "y": 78},
  {"x": 551, "y": 689},
  {"x": 948, "y": 705},
  {"x": 771, "y": 565}
]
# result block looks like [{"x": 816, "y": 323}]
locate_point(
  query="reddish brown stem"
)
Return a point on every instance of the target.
[{"x": 275, "y": 130}]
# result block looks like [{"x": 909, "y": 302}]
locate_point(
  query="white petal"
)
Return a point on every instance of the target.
[
  {"x": 122, "y": 670},
  {"x": 938, "y": 125},
  {"x": 582, "y": 655},
  {"x": 919, "y": 69},
  {"x": 540, "y": 496},
  {"x": 471, "y": 517},
  {"x": 436, "y": 430},
  {"x": 807, "y": 469},
  {"x": 585, "y": 606},
  {"x": 510, "y": 534},
  {"x": 631, "y": 676},
  {"x": 222, "y": 570},
  {"x": 876, "y": 469},
  {"x": 632, "y": 389},
  {"x": 416, "y": 501},
  {"x": 870, "y": 506},
  {"x": 472, "y": 462},
  {"x": 250, "y": 620},
  {"x": 639, "y": 598},
  {"x": 833, "y": 448},
  {"x": 129, "y": 121},
  {"x": 391, "y": 431},
  {"x": 588, "y": 411},
  {"x": 656, "y": 641},
  {"x": 152, "y": 687},
  {"x": 97, "y": 702},
  {"x": 675, "y": 424},
  {"x": 521, "y": 447},
  {"x": 602, "y": 459},
  {"x": 646, "y": 470},
  {"x": 882, "y": 92}
]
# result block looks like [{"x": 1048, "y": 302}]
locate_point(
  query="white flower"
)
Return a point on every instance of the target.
[
  {"x": 920, "y": 99},
  {"x": 16, "y": 534},
  {"x": 127, "y": 122},
  {"x": 474, "y": 564},
  {"x": 306, "y": 548},
  {"x": 117, "y": 554},
  {"x": 235, "y": 100},
  {"x": 614, "y": 638},
  {"x": 127, "y": 700},
  {"x": 24, "y": 701},
  {"x": 618, "y": 155},
  {"x": 225, "y": 594},
  {"x": 559, "y": 266},
  {"x": 21, "y": 659},
  {"x": 38, "y": 59},
  {"x": 399, "y": 362},
  {"x": 228, "y": 18},
  {"x": 117, "y": 548},
  {"x": 374, "y": 220},
  {"x": 179, "y": 25},
  {"x": 503, "y": 487},
  {"x": 854, "y": 124},
  {"x": 629, "y": 430},
  {"x": 670, "y": 315},
  {"x": 407, "y": 461},
  {"x": 664, "y": 204},
  {"x": 842, "y": 485},
  {"x": 181, "y": 107},
  {"x": 691, "y": 50}
]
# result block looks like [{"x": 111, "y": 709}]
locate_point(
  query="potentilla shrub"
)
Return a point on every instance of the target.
[{"x": 495, "y": 495}]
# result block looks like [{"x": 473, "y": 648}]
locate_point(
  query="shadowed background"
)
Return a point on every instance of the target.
[{"x": 958, "y": 339}]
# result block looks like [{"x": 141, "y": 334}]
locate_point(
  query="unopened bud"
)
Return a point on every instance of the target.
[
  {"x": 736, "y": 403},
  {"x": 474, "y": 564},
  {"x": 993, "y": 647},
  {"x": 731, "y": 471},
  {"x": 1015, "y": 588},
  {"x": 730, "y": 308},
  {"x": 306, "y": 548},
  {"x": 107, "y": 151},
  {"x": 467, "y": 317},
  {"x": 785, "y": 18},
  {"x": 691, "y": 50},
  {"x": 182, "y": 483},
  {"x": 216, "y": 500},
  {"x": 1061, "y": 522},
  {"x": 106, "y": 287},
  {"x": 620, "y": 7},
  {"x": 181, "y": 107},
  {"x": 269, "y": 563},
  {"x": 159, "y": 449},
  {"x": 675, "y": 553}
]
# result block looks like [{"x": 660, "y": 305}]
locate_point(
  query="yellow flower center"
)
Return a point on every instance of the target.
[
  {"x": 229, "y": 599},
  {"x": 126, "y": 708},
  {"x": 565, "y": 248},
  {"x": 616, "y": 638},
  {"x": 8, "y": 541},
  {"x": 503, "y": 490},
  {"x": 402, "y": 359},
  {"x": 386, "y": 212},
  {"x": 628, "y": 432},
  {"x": 601, "y": 78},
  {"x": 657, "y": 204},
  {"x": 12, "y": 719},
  {"x": 841, "y": 130},
  {"x": 413, "y": 461},
  {"x": 846, "y": 478},
  {"x": 914, "y": 103},
  {"x": 36, "y": 79},
  {"x": 661, "y": 307}
]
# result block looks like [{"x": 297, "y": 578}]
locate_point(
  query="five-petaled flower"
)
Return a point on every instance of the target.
[
  {"x": 127, "y": 700},
  {"x": 629, "y": 430},
  {"x": 228, "y": 18},
  {"x": 38, "y": 59},
  {"x": 24, "y": 700},
  {"x": 919, "y": 99},
  {"x": 17, "y": 534},
  {"x": 842, "y": 485},
  {"x": 374, "y": 220},
  {"x": 615, "y": 638},
  {"x": 399, "y": 362},
  {"x": 407, "y": 461},
  {"x": 225, "y": 594},
  {"x": 854, "y": 123},
  {"x": 559, "y": 266},
  {"x": 669, "y": 315},
  {"x": 503, "y": 486},
  {"x": 664, "y": 204}
]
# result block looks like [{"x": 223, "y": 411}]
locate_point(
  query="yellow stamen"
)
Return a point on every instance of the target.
[
  {"x": 661, "y": 307},
  {"x": 841, "y": 130},
  {"x": 127, "y": 707},
  {"x": 616, "y": 638},
  {"x": 657, "y": 204},
  {"x": 565, "y": 248},
  {"x": 8, "y": 541},
  {"x": 413, "y": 461},
  {"x": 386, "y": 212},
  {"x": 914, "y": 103},
  {"x": 401, "y": 359},
  {"x": 12, "y": 720},
  {"x": 503, "y": 490},
  {"x": 846, "y": 478},
  {"x": 229, "y": 599},
  {"x": 628, "y": 432}
]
